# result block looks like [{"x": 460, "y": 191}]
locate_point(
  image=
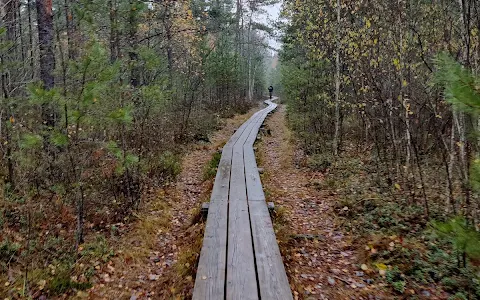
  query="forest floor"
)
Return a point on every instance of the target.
[
  {"x": 320, "y": 259},
  {"x": 156, "y": 258},
  {"x": 156, "y": 255},
  {"x": 346, "y": 232}
]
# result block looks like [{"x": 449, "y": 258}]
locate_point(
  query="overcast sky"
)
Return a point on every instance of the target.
[{"x": 271, "y": 15}]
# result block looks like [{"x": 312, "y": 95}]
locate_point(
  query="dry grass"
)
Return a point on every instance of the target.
[{"x": 166, "y": 238}]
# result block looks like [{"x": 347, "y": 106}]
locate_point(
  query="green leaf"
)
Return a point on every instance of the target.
[
  {"x": 39, "y": 95},
  {"x": 122, "y": 115},
  {"x": 113, "y": 147},
  {"x": 31, "y": 141},
  {"x": 131, "y": 160},
  {"x": 462, "y": 235},
  {"x": 59, "y": 139},
  {"x": 120, "y": 169}
]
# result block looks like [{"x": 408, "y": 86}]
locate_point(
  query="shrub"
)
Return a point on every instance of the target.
[
  {"x": 170, "y": 165},
  {"x": 210, "y": 169},
  {"x": 319, "y": 162},
  {"x": 8, "y": 250}
]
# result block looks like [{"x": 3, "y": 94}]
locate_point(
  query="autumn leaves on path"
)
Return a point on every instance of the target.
[
  {"x": 156, "y": 258},
  {"x": 319, "y": 259}
]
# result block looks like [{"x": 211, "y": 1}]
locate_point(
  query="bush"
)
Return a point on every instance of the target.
[
  {"x": 62, "y": 283},
  {"x": 97, "y": 249},
  {"x": 170, "y": 165},
  {"x": 210, "y": 169},
  {"x": 8, "y": 250},
  {"x": 396, "y": 279},
  {"x": 320, "y": 162}
]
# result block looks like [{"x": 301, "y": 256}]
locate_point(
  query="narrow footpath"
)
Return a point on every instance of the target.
[
  {"x": 156, "y": 258},
  {"x": 320, "y": 260}
]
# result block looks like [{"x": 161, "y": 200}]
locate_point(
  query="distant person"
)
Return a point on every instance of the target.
[{"x": 270, "y": 91}]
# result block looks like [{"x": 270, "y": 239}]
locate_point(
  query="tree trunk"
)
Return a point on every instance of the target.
[
  {"x": 113, "y": 31},
  {"x": 337, "y": 84},
  {"x": 30, "y": 39},
  {"x": 9, "y": 18},
  {"x": 72, "y": 34},
  {"x": 47, "y": 55},
  {"x": 167, "y": 24},
  {"x": 132, "y": 53}
]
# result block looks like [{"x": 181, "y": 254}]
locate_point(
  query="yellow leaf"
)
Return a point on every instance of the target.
[
  {"x": 397, "y": 186},
  {"x": 381, "y": 266},
  {"x": 12, "y": 120}
]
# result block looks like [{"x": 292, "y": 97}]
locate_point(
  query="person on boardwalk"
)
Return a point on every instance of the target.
[{"x": 270, "y": 91}]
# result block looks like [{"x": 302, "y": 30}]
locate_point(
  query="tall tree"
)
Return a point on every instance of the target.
[{"x": 47, "y": 55}]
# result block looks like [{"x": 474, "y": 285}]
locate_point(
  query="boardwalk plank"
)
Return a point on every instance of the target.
[
  {"x": 254, "y": 184},
  {"x": 273, "y": 281},
  {"x": 240, "y": 258},
  {"x": 210, "y": 280},
  {"x": 241, "y": 278}
]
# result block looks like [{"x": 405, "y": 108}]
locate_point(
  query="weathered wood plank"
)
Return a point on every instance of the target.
[
  {"x": 252, "y": 176},
  {"x": 272, "y": 278},
  {"x": 229, "y": 261},
  {"x": 241, "y": 274},
  {"x": 210, "y": 280}
]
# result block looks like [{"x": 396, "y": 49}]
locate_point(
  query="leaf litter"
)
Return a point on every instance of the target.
[
  {"x": 156, "y": 258},
  {"x": 321, "y": 260}
]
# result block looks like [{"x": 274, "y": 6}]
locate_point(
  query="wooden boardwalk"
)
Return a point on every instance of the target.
[{"x": 240, "y": 258}]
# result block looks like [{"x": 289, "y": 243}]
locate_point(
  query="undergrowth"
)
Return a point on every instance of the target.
[
  {"x": 210, "y": 170},
  {"x": 401, "y": 247}
]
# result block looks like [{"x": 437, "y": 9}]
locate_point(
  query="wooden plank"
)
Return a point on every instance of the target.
[
  {"x": 272, "y": 278},
  {"x": 210, "y": 279},
  {"x": 252, "y": 176},
  {"x": 229, "y": 197},
  {"x": 241, "y": 272},
  {"x": 241, "y": 275}
]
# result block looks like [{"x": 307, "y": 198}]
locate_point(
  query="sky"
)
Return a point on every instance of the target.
[{"x": 272, "y": 12}]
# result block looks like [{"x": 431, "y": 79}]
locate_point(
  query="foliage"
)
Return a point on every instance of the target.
[
  {"x": 97, "y": 103},
  {"x": 459, "y": 84},
  {"x": 8, "y": 250},
  {"x": 408, "y": 153},
  {"x": 210, "y": 170},
  {"x": 170, "y": 165},
  {"x": 463, "y": 236}
]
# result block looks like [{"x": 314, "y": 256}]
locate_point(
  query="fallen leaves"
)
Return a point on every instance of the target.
[{"x": 316, "y": 244}]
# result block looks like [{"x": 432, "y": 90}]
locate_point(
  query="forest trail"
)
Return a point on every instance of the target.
[
  {"x": 111, "y": 125},
  {"x": 320, "y": 259},
  {"x": 240, "y": 258},
  {"x": 154, "y": 259}
]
